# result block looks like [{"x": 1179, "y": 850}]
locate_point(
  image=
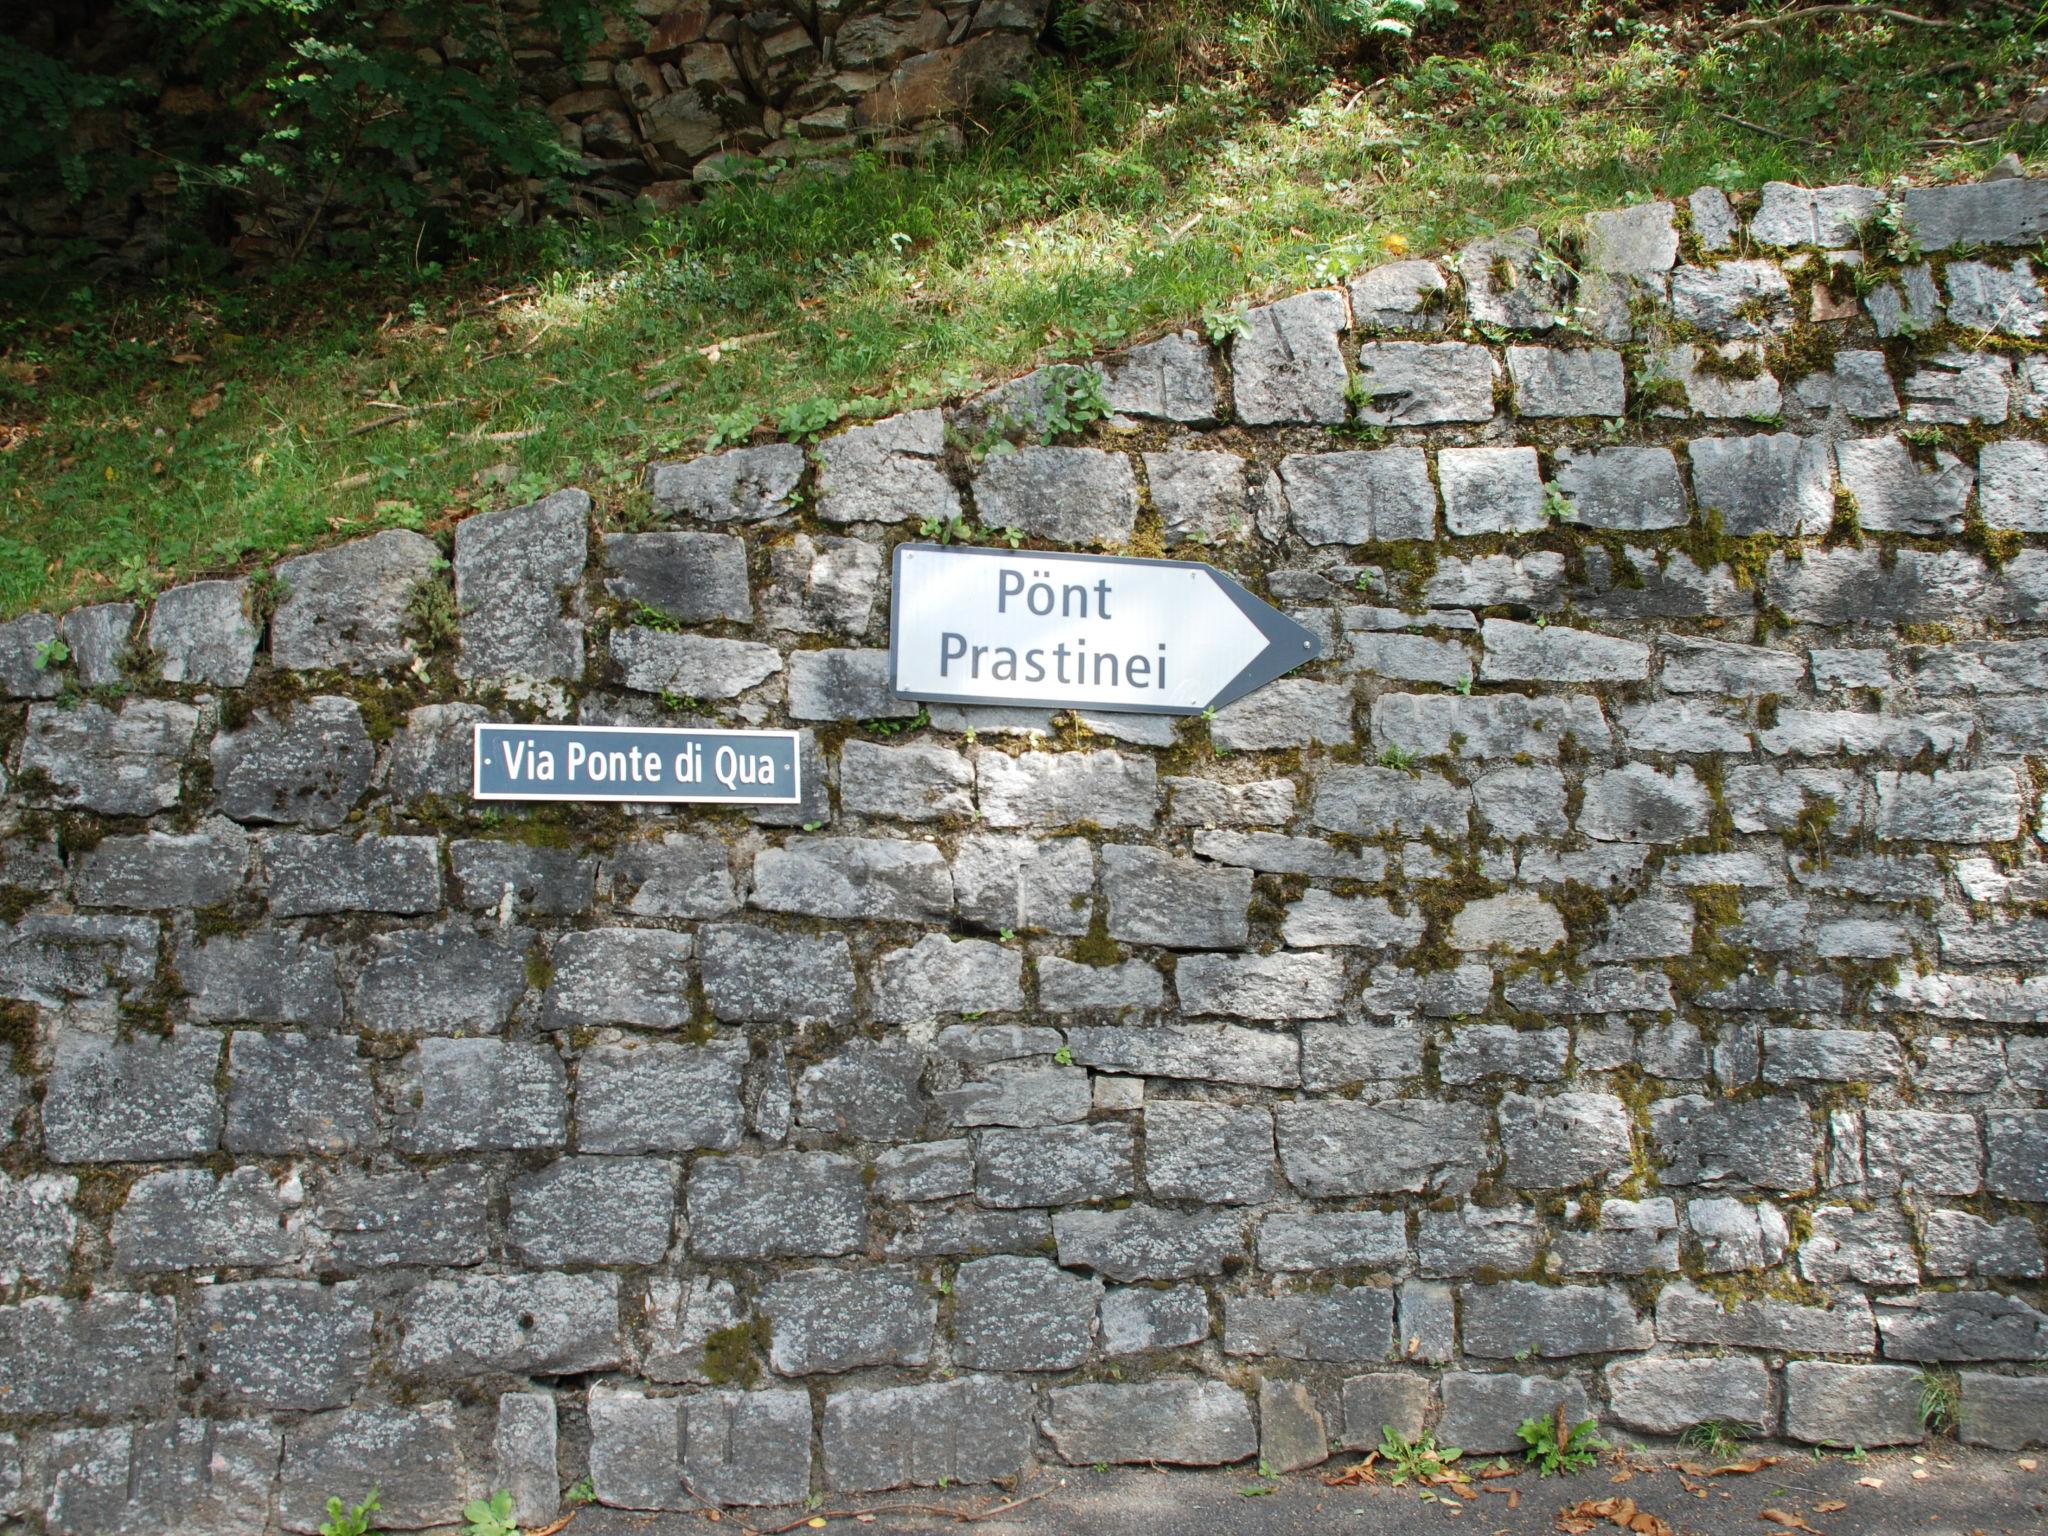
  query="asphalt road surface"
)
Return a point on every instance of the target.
[{"x": 1946, "y": 1492}]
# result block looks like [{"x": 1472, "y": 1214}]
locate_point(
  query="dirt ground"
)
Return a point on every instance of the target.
[{"x": 1931, "y": 1492}]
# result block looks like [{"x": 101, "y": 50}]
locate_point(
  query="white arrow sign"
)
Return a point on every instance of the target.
[{"x": 1168, "y": 637}]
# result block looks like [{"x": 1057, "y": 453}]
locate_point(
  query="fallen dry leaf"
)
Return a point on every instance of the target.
[
  {"x": 1829, "y": 1506},
  {"x": 1920, "y": 1474},
  {"x": 1790, "y": 1521},
  {"x": 205, "y": 405},
  {"x": 1488, "y": 1474},
  {"x": 1580, "y": 1517},
  {"x": 1357, "y": 1475},
  {"x": 1744, "y": 1468},
  {"x": 1690, "y": 1468},
  {"x": 2027, "y": 1463},
  {"x": 1869, "y": 1482}
]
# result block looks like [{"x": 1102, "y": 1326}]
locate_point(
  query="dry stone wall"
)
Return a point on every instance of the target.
[{"x": 1613, "y": 976}]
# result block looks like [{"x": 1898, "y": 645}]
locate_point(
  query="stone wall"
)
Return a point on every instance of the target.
[
  {"x": 1613, "y": 977},
  {"x": 673, "y": 94}
]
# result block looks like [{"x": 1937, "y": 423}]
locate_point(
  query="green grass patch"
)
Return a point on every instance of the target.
[{"x": 157, "y": 435}]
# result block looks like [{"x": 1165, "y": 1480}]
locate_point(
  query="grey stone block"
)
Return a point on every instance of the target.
[
  {"x": 1829, "y": 217},
  {"x": 1053, "y": 789},
  {"x": 1155, "y": 898},
  {"x": 1868, "y": 1247},
  {"x": 446, "y": 980},
  {"x": 1960, "y": 1325},
  {"x": 1171, "y": 379},
  {"x": 112, "y": 1353},
  {"x": 413, "y": 1457},
  {"x": 524, "y": 1456},
  {"x": 940, "y": 975},
  {"x": 37, "y": 1228},
  {"x": 1486, "y": 726},
  {"x": 741, "y": 485},
  {"x": 1482, "y": 1410},
  {"x": 822, "y": 585},
  {"x": 482, "y": 1095},
  {"x": 1960, "y": 388},
  {"x": 1136, "y": 1319},
  {"x": 692, "y": 666},
  {"x": 1558, "y": 654},
  {"x": 1636, "y": 804},
  {"x": 931, "y": 1232},
  {"x": 1949, "y": 806},
  {"x": 757, "y": 974},
  {"x": 1894, "y": 495},
  {"x": 1730, "y": 384},
  {"x": 678, "y": 1320},
  {"x": 636, "y": 1450},
  {"x": 2013, "y": 486},
  {"x": 914, "y": 783},
  {"x": 1280, "y": 986},
  {"x": 1714, "y": 223},
  {"x": 592, "y": 1210},
  {"x": 659, "y": 1097},
  {"x": 1400, "y": 296},
  {"x": 1555, "y": 381},
  {"x": 1346, "y": 1323},
  {"x": 310, "y": 875},
  {"x": 192, "y": 1219},
  {"x": 854, "y": 877},
  {"x": 126, "y": 764},
  {"x": 1321, "y": 1240},
  {"x": 2009, "y": 1413},
  {"x": 28, "y": 669},
  {"x": 1766, "y": 1143},
  {"x": 871, "y": 1091},
  {"x": 433, "y": 753},
  {"x": 158, "y": 870},
  {"x": 202, "y": 634},
  {"x": 376, "y": 1220},
  {"x": 1931, "y": 1153},
  {"x": 1054, "y": 1165},
  {"x": 1638, "y": 240},
  {"x": 1476, "y": 1239},
  {"x": 1371, "y": 801},
  {"x": 2010, "y": 212},
  {"x": 262, "y": 976},
  {"x": 1379, "y": 1401},
  {"x": 1293, "y": 712},
  {"x": 1733, "y": 1236},
  {"x": 1067, "y": 495},
  {"x": 1020, "y": 1094},
  {"x": 1510, "y": 281},
  {"x": 1518, "y": 920},
  {"x": 1339, "y": 1149},
  {"x": 1356, "y": 497},
  {"x": 1985, "y": 297},
  {"x": 1221, "y": 1053},
  {"x": 831, "y": 1320},
  {"x": 1025, "y": 883},
  {"x": 136, "y": 1100},
  {"x": 1688, "y": 1315},
  {"x": 1419, "y": 384},
  {"x": 308, "y": 766},
  {"x": 844, "y": 685},
  {"x": 516, "y": 573},
  {"x": 297, "y": 1093},
  {"x": 975, "y": 1429},
  {"x": 1668, "y": 1394},
  {"x": 1023, "y": 1314},
  {"x": 747, "y": 1448},
  {"x": 1206, "y": 803},
  {"x": 1565, "y": 1139},
  {"x": 1627, "y": 488},
  {"x": 1322, "y": 919},
  {"x": 1199, "y": 496},
  {"x": 1146, "y": 1243},
  {"x": 1778, "y": 483},
  {"x": 1850, "y": 1405},
  {"x": 1292, "y": 1434},
  {"x": 926, "y": 1170},
  {"x": 2017, "y": 1142},
  {"x": 99, "y": 635},
  {"x": 885, "y": 473},
  {"x": 1857, "y": 385},
  {"x": 546, "y": 1324},
  {"x": 779, "y": 1205},
  {"x": 48, "y": 957},
  {"x": 1286, "y": 364},
  {"x": 1503, "y": 1321},
  {"x": 692, "y": 578},
  {"x": 1183, "y": 1423},
  {"x": 1491, "y": 490},
  {"x": 520, "y": 879},
  {"x": 346, "y": 609},
  {"x": 1734, "y": 300},
  {"x": 177, "y": 1474},
  {"x": 632, "y": 976},
  {"x": 290, "y": 1344}
]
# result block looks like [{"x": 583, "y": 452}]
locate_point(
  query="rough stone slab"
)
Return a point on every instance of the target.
[
  {"x": 524, "y": 1458},
  {"x": 975, "y": 1429},
  {"x": 1774, "y": 482},
  {"x": 1531, "y": 653},
  {"x": 884, "y": 473},
  {"x": 1182, "y": 1423},
  {"x": 262, "y": 976},
  {"x": 1637, "y": 240},
  {"x": 754, "y": 974},
  {"x": 126, "y": 764},
  {"x": 2010, "y": 212},
  {"x": 2008, "y": 1413},
  {"x": 1199, "y": 496},
  {"x": 159, "y": 870},
  {"x": 1688, "y": 1315},
  {"x": 1666, "y": 1395},
  {"x": 1519, "y": 920},
  {"x": 114, "y": 1352},
  {"x": 830, "y": 1320},
  {"x": 692, "y": 666},
  {"x": 297, "y": 1093},
  {"x": 1735, "y": 385},
  {"x": 346, "y": 609},
  {"x": 691, "y": 578},
  {"x": 1960, "y": 1325},
  {"x": 1714, "y": 223},
  {"x": 2013, "y": 485},
  {"x": 1067, "y": 495},
  {"x": 313, "y": 874},
  {"x": 1304, "y": 1240},
  {"x": 1486, "y": 726},
  {"x": 1632, "y": 489},
  {"x": 551, "y": 1324},
  {"x": 741, "y": 485},
  {"x": 1565, "y": 1139},
  {"x": 374, "y": 1220},
  {"x": 1146, "y": 1243},
  {"x": 844, "y": 685},
  {"x": 1155, "y": 898},
  {"x": 1510, "y": 282},
  {"x": 1766, "y": 1143},
  {"x": 636, "y": 1450},
  {"x": 1292, "y": 1434},
  {"x": 1338, "y": 1149},
  {"x": 782, "y": 1204},
  {"x": 1372, "y": 801},
  {"x": 1277, "y": 986},
  {"x": 1055, "y": 789},
  {"x": 632, "y": 976},
  {"x": 870, "y": 1091},
  {"x": 484, "y": 1096},
  {"x": 1400, "y": 296},
  {"x": 1557, "y": 381},
  {"x": 854, "y": 877},
  {"x": 939, "y": 975},
  {"x": 1895, "y": 495},
  {"x": 1414, "y": 383},
  {"x": 1321, "y": 919},
  {"x": 1985, "y": 297},
  {"x": 1221, "y": 1053},
  {"x": 37, "y": 1228},
  {"x": 1829, "y": 217},
  {"x": 1355, "y": 497},
  {"x": 659, "y": 1097},
  {"x": 592, "y": 1210},
  {"x": 1023, "y": 1314},
  {"x": 290, "y": 1344},
  {"x": 202, "y": 634},
  {"x": 516, "y": 573},
  {"x": 1960, "y": 388},
  {"x": 1491, "y": 490},
  {"x": 1848, "y": 1405},
  {"x": 913, "y": 783},
  {"x": 1286, "y": 365},
  {"x": 192, "y": 1219},
  {"x": 1344, "y": 1323},
  {"x": 307, "y": 765},
  {"x": 99, "y": 635},
  {"x": 1482, "y": 1410},
  {"x": 111, "y": 1100},
  {"x": 821, "y": 586},
  {"x": 1503, "y": 1321},
  {"x": 177, "y": 1474},
  {"x": 49, "y": 957},
  {"x": 1171, "y": 379},
  {"x": 1734, "y": 300},
  {"x": 27, "y": 670},
  {"x": 1382, "y": 1400},
  {"x": 413, "y": 1457},
  {"x": 1139, "y": 1318},
  {"x": 1949, "y": 806},
  {"x": 1054, "y": 1165}
]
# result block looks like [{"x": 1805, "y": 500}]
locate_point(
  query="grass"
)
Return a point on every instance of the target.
[{"x": 147, "y": 436}]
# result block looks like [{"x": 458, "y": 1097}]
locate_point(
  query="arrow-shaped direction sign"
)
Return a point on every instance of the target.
[{"x": 1162, "y": 637}]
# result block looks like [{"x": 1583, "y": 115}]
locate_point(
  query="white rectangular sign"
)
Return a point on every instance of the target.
[{"x": 992, "y": 626}]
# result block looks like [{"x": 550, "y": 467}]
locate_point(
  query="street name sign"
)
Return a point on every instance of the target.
[
  {"x": 622, "y": 762},
  {"x": 1158, "y": 637}
]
